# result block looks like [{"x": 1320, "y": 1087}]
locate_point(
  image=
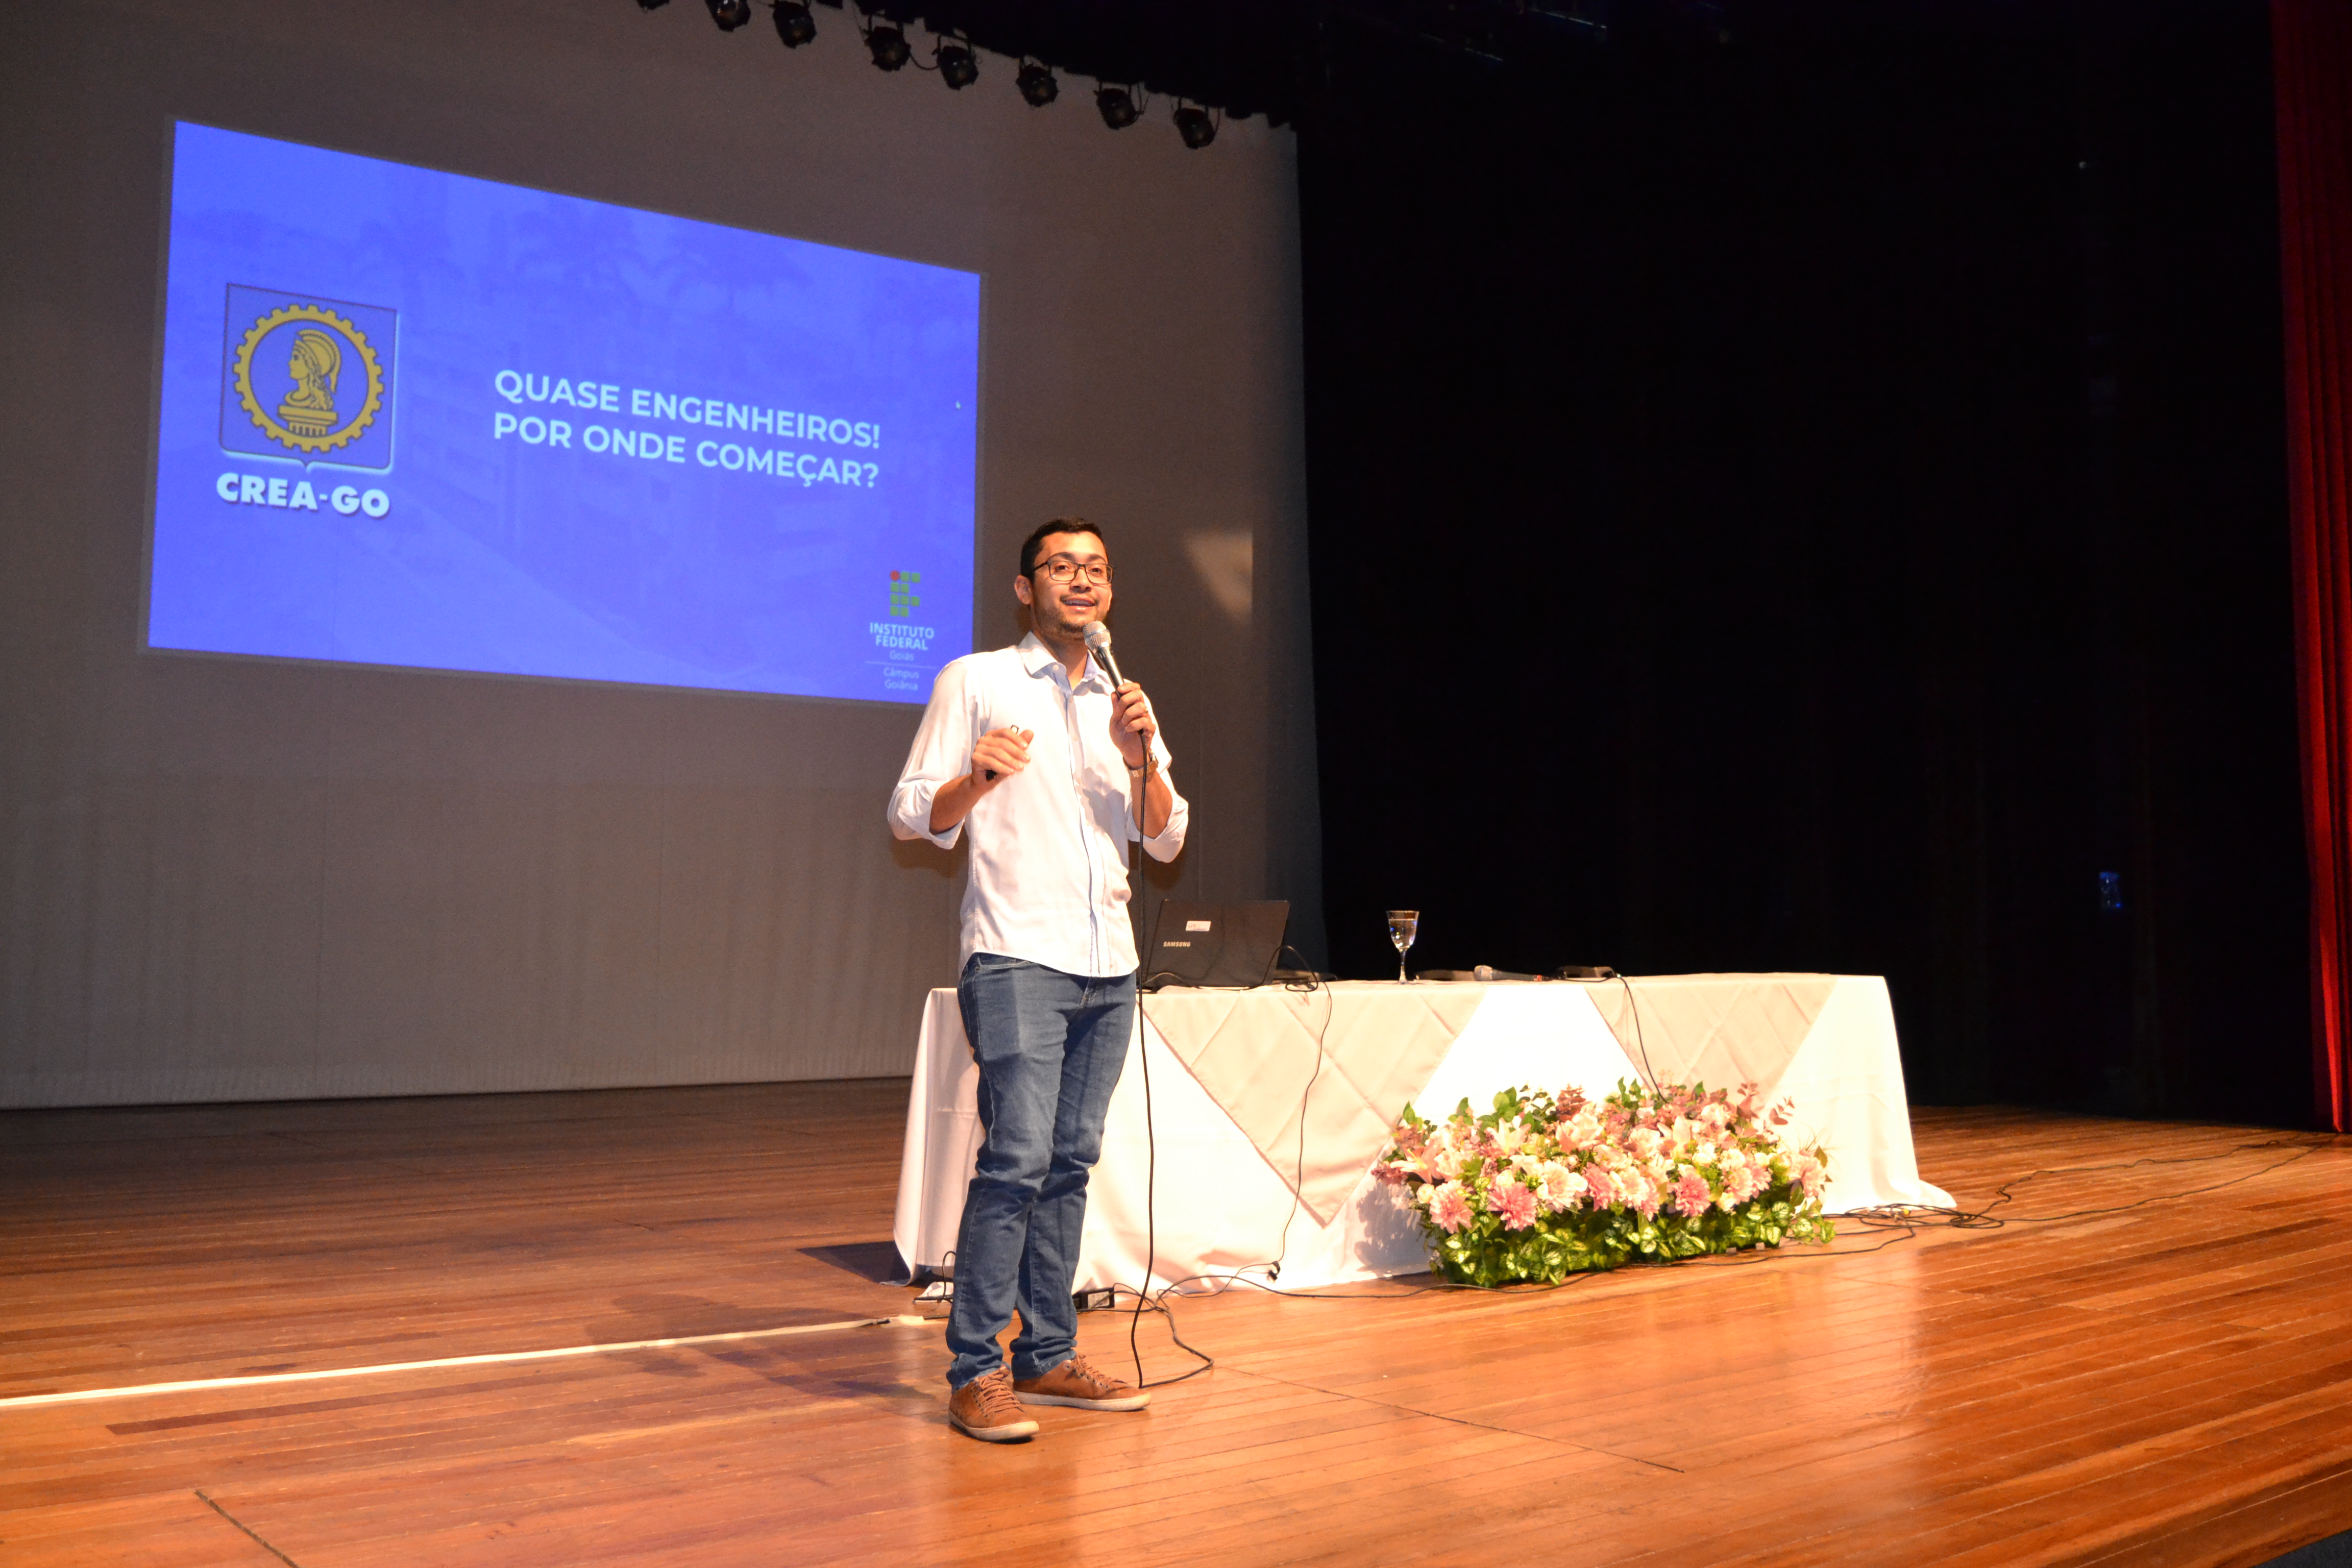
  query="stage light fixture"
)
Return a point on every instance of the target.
[
  {"x": 651, "y": 5},
  {"x": 794, "y": 26},
  {"x": 730, "y": 14},
  {"x": 1117, "y": 106},
  {"x": 1037, "y": 84},
  {"x": 958, "y": 67},
  {"x": 888, "y": 46},
  {"x": 1194, "y": 125}
]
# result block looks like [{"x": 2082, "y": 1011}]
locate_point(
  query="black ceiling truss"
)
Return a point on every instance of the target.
[{"x": 1237, "y": 58}]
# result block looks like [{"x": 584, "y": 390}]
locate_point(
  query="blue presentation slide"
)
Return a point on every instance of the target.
[{"x": 413, "y": 418}]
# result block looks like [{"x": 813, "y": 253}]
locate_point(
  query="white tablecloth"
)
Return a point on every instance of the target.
[{"x": 1228, "y": 1193}]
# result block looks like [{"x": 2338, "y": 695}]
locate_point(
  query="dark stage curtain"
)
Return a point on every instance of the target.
[
  {"x": 2312, "y": 41},
  {"x": 1815, "y": 503}
]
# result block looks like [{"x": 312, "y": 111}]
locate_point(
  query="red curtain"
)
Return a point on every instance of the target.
[{"x": 2311, "y": 42}]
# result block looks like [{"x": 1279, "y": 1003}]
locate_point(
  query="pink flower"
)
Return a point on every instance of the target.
[
  {"x": 1739, "y": 1183},
  {"x": 1514, "y": 1203},
  {"x": 1393, "y": 1175},
  {"x": 1643, "y": 1198},
  {"x": 1691, "y": 1194},
  {"x": 1449, "y": 1208},
  {"x": 1563, "y": 1187},
  {"x": 1806, "y": 1173},
  {"x": 1602, "y": 1186}
]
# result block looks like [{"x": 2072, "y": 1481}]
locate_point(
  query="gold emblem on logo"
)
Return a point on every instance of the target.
[{"x": 307, "y": 418}]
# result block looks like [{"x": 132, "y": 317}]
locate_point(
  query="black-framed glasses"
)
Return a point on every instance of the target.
[{"x": 1062, "y": 569}]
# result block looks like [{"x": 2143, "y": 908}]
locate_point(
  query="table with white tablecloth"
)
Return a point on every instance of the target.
[{"x": 1246, "y": 1124}]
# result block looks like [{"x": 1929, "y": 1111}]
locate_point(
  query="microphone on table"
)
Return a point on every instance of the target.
[{"x": 1098, "y": 640}]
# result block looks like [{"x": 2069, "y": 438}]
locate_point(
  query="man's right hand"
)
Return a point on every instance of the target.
[{"x": 1001, "y": 753}]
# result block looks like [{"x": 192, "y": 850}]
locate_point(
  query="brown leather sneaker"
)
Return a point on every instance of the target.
[
  {"x": 1076, "y": 1381},
  {"x": 984, "y": 1408}
]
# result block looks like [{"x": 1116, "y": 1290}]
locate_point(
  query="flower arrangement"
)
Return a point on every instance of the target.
[{"x": 1547, "y": 1185}]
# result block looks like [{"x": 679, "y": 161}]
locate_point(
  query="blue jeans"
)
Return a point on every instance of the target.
[{"x": 1050, "y": 1048}]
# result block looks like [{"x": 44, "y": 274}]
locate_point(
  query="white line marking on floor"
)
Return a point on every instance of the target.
[{"x": 23, "y": 1401}]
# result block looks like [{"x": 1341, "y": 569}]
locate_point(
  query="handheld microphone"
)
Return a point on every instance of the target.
[{"x": 1098, "y": 640}]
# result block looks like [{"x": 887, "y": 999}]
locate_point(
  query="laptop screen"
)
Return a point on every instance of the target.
[{"x": 1195, "y": 943}]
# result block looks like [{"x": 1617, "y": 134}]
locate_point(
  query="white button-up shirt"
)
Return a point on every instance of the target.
[{"x": 1047, "y": 881}]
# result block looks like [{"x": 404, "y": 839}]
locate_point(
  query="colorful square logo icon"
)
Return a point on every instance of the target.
[{"x": 308, "y": 378}]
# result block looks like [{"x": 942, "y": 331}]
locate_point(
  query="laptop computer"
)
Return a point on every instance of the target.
[{"x": 1214, "y": 944}]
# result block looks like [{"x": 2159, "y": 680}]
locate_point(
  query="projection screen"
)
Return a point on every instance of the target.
[{"x": 412, "y": 418}]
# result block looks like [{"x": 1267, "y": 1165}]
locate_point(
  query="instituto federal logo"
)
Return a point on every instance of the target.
[
  {"x": 903, "y": 600},
  {"x": 308, "y": 378},
  {"x": 898, "y": 636}
]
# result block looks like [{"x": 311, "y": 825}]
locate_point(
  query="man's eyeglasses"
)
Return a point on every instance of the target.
[{"x": 1062, "y": 569}]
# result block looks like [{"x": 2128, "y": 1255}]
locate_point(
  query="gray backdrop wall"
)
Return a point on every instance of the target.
[{"x": 226, "y": 878}]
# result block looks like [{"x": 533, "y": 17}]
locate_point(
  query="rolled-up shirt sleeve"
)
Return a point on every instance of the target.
[
  {"x": 1170, "y": 842},
  {"x": 941, "y": 751}
]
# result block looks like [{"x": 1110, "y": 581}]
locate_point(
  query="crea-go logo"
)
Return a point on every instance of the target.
[
  {"x": 298, "y": 495},
  {"x": 308, "y": 378}
]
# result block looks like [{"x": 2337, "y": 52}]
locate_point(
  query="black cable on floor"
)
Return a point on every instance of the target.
[
  {"x": 1985, "y": 1219},
  {"x": 1157, "y": 1300},
  {"x": 1901, "y": 1222}
]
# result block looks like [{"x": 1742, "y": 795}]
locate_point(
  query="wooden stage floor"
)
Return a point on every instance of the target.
[{"x": 2169, "y": 1382}]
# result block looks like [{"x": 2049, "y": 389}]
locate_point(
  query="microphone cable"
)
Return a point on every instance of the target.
[
  {"x": 1150, "y": 1219},
  {"x": 1632, "y": 1005},
  {"x": 1156, "y": 1301}
]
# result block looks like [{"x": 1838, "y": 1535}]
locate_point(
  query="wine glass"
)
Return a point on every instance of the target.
[{"x": 1403, "y": 926}]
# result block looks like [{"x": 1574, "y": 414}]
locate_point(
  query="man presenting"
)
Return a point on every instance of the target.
[{"x": 1055, "y": 771}]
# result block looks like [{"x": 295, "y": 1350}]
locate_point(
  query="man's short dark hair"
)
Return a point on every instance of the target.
[{"x": 1030, "y": 545}]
